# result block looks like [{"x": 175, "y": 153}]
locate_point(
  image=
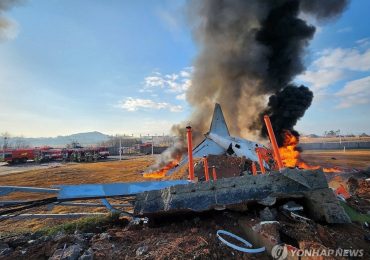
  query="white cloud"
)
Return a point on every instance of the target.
[
  {"x": 134, "y": 104},
  {"x": 170, "y": 20},
  {"x": 322, "y": 78},
  {"x": 154, "y": 81},
  {"x": 334, "y": 65},
  {"x": 365, "y": 42},
  {"x": 355, "y": 92},
  {"x": 174, "y": 83},
  {"x": 175, "y": 108},
  {"x": 347, "y": 59},
  {"x": 181, "y": 96},
  {"x": 185, "y": 74},
  {"x": 345, "y": 29}
]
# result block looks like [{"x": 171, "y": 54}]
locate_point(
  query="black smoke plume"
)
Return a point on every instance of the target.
[
  {"x": 248, "y": 51},
  {"x": 286, "y": 36},
  {"x": 285, "y": 108}
]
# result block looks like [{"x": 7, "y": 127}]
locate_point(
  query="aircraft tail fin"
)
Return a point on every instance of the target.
[{"x": 218, "y": 125}]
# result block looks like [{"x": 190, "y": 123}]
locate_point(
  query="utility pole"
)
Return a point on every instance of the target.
[
  {"x": 152, "y": 145},
  {"x": 5, "y": 144},
  {"x": 4, "y": 150},
  {"x": 120, "y": 148}
]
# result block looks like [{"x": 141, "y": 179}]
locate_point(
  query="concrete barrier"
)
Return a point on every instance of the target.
[{"x": 234, "y": 192}]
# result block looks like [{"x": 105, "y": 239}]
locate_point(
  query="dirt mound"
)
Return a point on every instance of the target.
[
  {"x": 190, "y": 236},
  {"x": 182, "y": 237}
]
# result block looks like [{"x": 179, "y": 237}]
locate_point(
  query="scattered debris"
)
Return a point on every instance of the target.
[
  {"x": 292, "y": 206},
  {"x": 359, "y": 187},
  {"x": 67, "y": 253},
  {"x": 294, "y": 211},
  {"x": 260, "y": 233},
  {"x": 142, "y": 250},
  {"x": 245, "y": 242},
  {"x": 341, "y": 191},
  {"x": 267, "y": 215},
  {"x": 5, "y": 249},
  {"x": 300, "y": 218},
  {"x": 87, "y": 255},
  {"x": 186, "y": 237},
  {"x": 226, "y": 166}
]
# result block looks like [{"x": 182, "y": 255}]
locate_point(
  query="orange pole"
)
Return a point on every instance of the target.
[
  {"x": 190, "y": 153},
  {"x": 214, "y": 173},
  {"x": 205, "y": 162},
  {"x": 275, "y": 147},
  {"x": 254, "y": 169},
  {"x": 260, "y": 161}
]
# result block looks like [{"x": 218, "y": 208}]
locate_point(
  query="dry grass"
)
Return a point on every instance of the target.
[
  {"x": 100, "y": 172},
  {"x": 359, "y": 159},
  {"x": 127, "y": 171}
]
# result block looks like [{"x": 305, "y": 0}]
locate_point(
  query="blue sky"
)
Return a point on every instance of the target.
[{"x": 123, "y": 67}]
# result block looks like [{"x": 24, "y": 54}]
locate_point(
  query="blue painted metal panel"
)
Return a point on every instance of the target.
[{"x": 85, "y": 191}]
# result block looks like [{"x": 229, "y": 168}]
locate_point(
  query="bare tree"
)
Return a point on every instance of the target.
[
  {"x": 20, "y": 143},
  {"x": 5, "y": 136}
]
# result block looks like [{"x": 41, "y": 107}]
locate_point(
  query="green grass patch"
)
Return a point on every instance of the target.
[
  {"x": 354, "y": 215},
  {"x": 88, "y": 224}
]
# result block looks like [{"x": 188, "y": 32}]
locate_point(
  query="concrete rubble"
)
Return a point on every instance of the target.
[
  {"x": 311, "y": 186},
  {"x": 69, "y": 253},
  {"x": 267, "y": 215}
]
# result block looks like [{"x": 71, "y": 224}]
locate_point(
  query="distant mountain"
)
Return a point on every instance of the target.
[{"x": 89, "y": 138}]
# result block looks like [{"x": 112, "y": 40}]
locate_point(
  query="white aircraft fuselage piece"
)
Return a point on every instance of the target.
[
  {"x": 218, "y": 141},
  {"x": 241, "y": 147}
]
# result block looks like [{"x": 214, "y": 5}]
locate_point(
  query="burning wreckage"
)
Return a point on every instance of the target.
[
  {"x": 249, "y": 50},
  {"x": 264, "y": 180}
]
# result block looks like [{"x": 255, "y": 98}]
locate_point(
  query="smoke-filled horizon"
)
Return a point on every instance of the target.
[{"x": 249, "y": 53}]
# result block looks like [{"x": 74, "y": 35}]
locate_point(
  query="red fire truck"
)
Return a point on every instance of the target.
[
  {"x": 45, "y": 154},
  {"x": 18, "y": 155}
]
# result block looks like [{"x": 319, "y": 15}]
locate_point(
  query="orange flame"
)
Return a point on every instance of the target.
[
  {"x": 291, "y": 156},
  {"x": 162, "y": 172}
]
